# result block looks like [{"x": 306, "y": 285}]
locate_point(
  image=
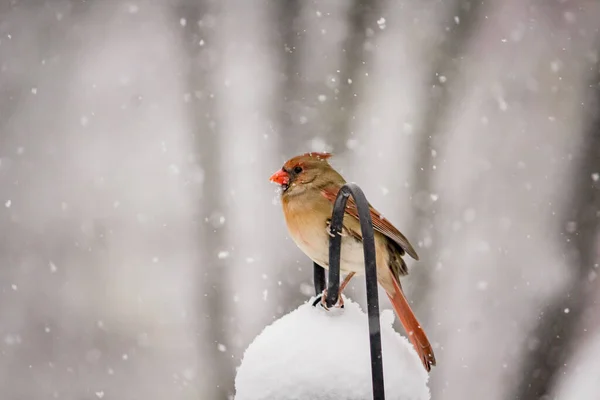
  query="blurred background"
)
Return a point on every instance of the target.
[{"x": 143, "y": 247}]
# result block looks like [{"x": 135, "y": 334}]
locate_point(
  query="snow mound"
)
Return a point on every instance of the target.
[{"x": 316, "y": 354}]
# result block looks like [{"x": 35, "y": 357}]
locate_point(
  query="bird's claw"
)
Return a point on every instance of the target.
[
  {"x": 332, "y": 233},
  {"x": 328, "y": 230},
  {"x": 322, "y": 299}
]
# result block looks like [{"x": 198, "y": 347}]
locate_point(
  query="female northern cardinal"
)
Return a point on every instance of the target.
[{"x": 309, "y": 188}]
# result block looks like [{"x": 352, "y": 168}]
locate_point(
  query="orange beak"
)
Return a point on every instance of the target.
[{"x": 280, "y": 177}]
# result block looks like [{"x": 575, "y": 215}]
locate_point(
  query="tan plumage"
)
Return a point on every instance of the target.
[{"x": 309, "y": 188}]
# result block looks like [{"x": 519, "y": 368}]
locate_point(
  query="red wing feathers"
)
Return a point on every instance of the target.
[{"x": 380, "y": 224}]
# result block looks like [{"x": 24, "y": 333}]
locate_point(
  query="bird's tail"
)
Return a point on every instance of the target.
[{"x": 413, "y": 329}]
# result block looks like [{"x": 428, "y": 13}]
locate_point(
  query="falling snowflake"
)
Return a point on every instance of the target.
[{"x": 223, "y": 254}]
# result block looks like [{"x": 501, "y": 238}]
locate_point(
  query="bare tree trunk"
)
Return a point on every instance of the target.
[
  {"x": 199, "y": 20},
  {"x": 385, "y": 123},
  {"x": 561, "y": 329},
  {"x": 247, "y": 142},
  {"x": 323, "y": 42},
  {"x": 98, "y": 201},
  {"x": 462, "y": 19},
  {"x": 503, "y": 168},
  {"x": 313, "y": 55},
  {"x": 357, "y": 50}
]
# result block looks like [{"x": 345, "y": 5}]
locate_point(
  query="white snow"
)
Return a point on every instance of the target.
[
  {"x": 223, "y": 254},
  {"x": 315, "y": 354}
]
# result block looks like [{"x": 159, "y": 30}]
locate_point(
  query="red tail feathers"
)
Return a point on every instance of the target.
[{"x": 413, "y": 329}]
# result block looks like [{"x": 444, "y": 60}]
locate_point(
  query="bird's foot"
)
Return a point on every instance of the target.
[
  {"x": 322, "y": 299},
  {"x": 342, "y": 233},
  {"x": 328, "y": 230}
]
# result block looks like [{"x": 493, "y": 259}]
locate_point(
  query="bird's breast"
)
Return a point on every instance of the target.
[{"x": 309, "y": 230}]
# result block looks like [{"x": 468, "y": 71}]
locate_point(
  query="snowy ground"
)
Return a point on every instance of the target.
[{"x": 316, "y": 354}]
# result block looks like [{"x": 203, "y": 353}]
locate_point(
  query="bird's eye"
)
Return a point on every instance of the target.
[{"x": 297, "y": 169}]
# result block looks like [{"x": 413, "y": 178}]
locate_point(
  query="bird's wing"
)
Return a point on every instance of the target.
[{"x": 380, "y": 224}]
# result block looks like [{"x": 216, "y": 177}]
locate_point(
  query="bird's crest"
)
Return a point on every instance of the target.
[{"x": 306, "y": 158}]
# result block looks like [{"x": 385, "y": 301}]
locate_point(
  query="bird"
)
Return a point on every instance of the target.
[{"x": 309, "y": 186}]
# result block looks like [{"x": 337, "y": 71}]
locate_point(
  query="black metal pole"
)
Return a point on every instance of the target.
[
  {"x": 335, "y": 243},
  {"x": 319, "y": 277}
]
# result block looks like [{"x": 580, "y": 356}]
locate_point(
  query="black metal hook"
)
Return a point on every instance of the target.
[{"x": 335, "y": 245}]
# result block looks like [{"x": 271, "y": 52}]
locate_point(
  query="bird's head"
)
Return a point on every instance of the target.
[{"x": 303, "y": 172}]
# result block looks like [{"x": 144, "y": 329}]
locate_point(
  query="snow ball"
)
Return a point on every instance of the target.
[
  {"x": 569, "y": 17},
  {"x": 189, "y": 374},
  {"x": 352, "y": 144},
  {"x": 53, "y": 267},
  {"x": 319, "y": 144},
  {"x": 306, "y": 289},
  {"x": 315, "y": 354},
  {"x": 427, "y": 242},
  {"x": 223, "y": 254},
  {"x": 502, "y": 105},
  {"x": 174, "y": 169},
  {"x": 216, "y": 219}
]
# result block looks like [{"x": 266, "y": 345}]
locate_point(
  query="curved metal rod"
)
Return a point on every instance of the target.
[
  {"x": 319, "y": 277},
  {"x": 335, "y": 243}
]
